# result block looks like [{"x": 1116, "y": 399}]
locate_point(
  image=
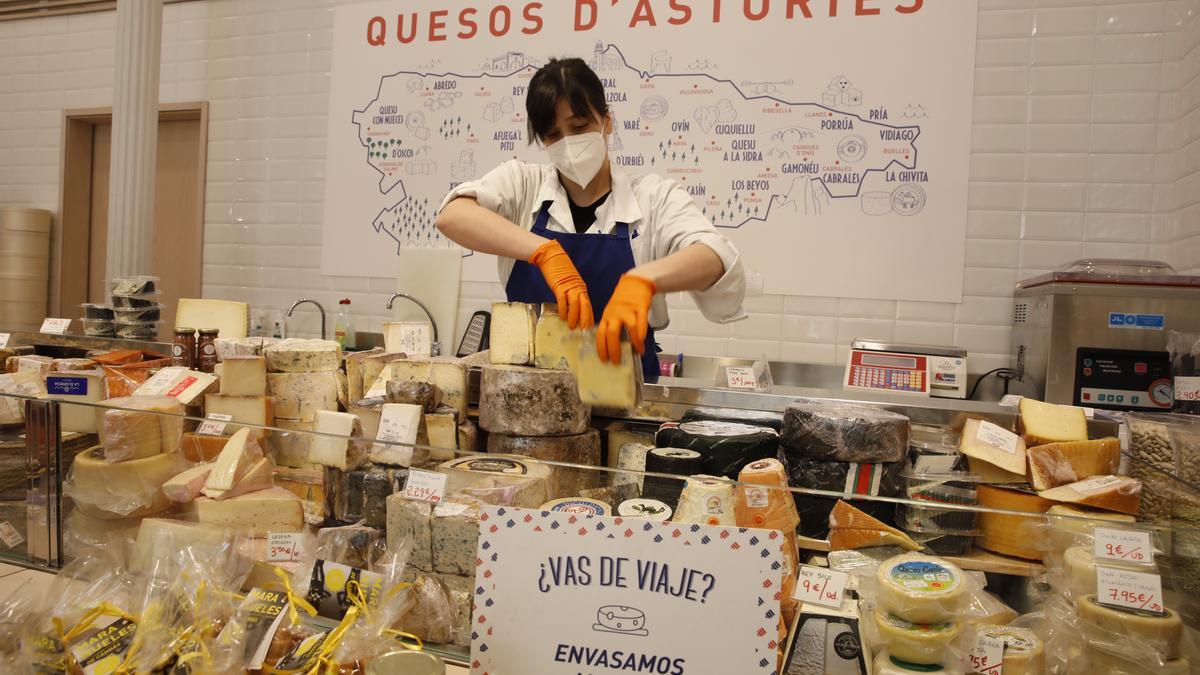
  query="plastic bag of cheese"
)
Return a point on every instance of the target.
[
  {"x": 352, "y": 553},
  {"x": 116, "y": 490}
]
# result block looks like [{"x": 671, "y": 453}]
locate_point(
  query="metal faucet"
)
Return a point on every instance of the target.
[
  {"x": 301, "y": 301},
  {"x": 437, "y": 346}
]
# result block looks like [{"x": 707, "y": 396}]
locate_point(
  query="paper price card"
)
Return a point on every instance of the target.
[
  {"x": 821, "y": 586},
  {"x": 214, "y": 425},
  {"x": 740, "y": 377},
  {"x": 4, "y": 338},
  {"x": 1129, "y": 589},
  {"x": 1186, "y": 388},
  {"x": 284, "y": 546},
  {"x": 425, "y": 486},
  {"x": 1127, "y": 546},
  {"x": 10, "y": 536},
  {"x": 987, "y": 656},
  {"x": 55, "y": 326}
]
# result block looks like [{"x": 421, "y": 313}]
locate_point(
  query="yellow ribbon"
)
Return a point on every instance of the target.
[
  {"x": 400, "y": 635},
  {"x": 294, "y": 600},
  {"x": 325, "y": 655},
  {"x": 102, "y": 609}
]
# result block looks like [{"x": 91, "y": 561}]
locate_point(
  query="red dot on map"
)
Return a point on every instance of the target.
[
  {"x": 751, "y": 194},
  {"x": 695, "y": 86},
  {"x": 906, "y": 157},
  {"x": 776, "y": 104}
]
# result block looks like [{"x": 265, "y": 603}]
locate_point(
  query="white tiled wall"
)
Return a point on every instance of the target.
[{"x": 1086, "y": 143}]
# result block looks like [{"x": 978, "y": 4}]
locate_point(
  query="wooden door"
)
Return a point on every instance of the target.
[{"x": 178, "y": 210}]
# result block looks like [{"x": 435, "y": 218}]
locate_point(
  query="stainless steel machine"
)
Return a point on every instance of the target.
[{"x": 1095, "y": 333}]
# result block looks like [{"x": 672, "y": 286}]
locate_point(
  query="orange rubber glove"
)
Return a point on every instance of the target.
[
  {"x": 629, "y": 309},
  {"x": 570, "y": 291}
]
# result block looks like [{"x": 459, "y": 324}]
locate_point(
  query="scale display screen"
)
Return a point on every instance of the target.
[{"x": 887, "y": 361}]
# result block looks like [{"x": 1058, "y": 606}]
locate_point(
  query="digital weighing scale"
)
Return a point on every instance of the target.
[{"x": 918, "y": 370}]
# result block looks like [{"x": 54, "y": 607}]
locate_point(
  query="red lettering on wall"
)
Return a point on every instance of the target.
[
  {"x": 763, "y": 7},
  {"x": 685, "y": 14},
  {"x": 412, "y": 29},
  {"x": 502, "y": 13},
  {"x": 802, "y": 4},
  {"x": 466, "y": 21},
  {"x": 716, "y": 11},
  {"x": 534, "y": 18},
  {"x": 860, "y": 8},
  {"x": 437, "y": 23},
  {"x": 643, "y": 13},
  {"x": 591, "y": 7},
  {"x": 909, "y": 9},
  {"x": 376, "y": 31}
]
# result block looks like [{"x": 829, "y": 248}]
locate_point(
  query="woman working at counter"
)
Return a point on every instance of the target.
[{"x": 582, "y": 233}]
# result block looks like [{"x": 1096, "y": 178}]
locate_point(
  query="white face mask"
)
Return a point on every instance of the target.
[{"x": 579, "y": 157}]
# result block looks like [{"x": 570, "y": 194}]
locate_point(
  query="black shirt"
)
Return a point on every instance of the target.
[{"x": 584, "y": 216}]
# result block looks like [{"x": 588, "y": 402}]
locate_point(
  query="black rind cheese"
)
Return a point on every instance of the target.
[
  {"x": 843, "y": 432},
  {"x": 361, "y": 494},
  {"x": 675, "y": 461},
  {"x": 880, "y": 479},
  {"x": 725, "y": 446},
  {"x": 758, "y": 418}
]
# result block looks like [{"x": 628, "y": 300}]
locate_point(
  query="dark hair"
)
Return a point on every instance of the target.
[{"x": 562, "y": 78}]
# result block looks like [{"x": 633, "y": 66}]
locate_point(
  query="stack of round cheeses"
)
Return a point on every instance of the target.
[{"x": 919, "y": 605}]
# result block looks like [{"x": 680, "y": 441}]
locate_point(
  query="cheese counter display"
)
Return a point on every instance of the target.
[{"x": 303, "y": 509}]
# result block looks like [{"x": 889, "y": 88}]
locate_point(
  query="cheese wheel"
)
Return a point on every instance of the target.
[
  {"x": 522, "y": 401},
  {"x": 920, "y": 589},
  {"x": 131, "y": 489},
  {"x": 918, "y": 643},
  {"x": 1079, "y": 570},
  {"x": 706, "y": 500},
  {"x": 1112, "y": 493},
  {"x": 886, "y": 664},
  {"x": 650, "y": 509},
  {"x": 1024, "y": 653},
  {"x": 725, "y": 446},
  {"x": 578, "y": 506},
  {"x": 1008, "y": 534},
  {"x": 1160, "y": 633},
  {"x": 1097, "y": 659},
  {"x": 581, "y": 449},
  {"x": 763, "y": 499},
  {"x": 832, "y": 431},
  {"x": 674, "y": 461},
  {"x": 1072, "y": 526},
  {"x": 497, "y": 479}
]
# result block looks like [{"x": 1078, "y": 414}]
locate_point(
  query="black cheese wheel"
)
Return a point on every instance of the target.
[
  {"x": 725, "y": 446},
  {"x": 879, "y": 479},
  {"x": 832, "y": 431},
  {"x": 757, "y": 418}
]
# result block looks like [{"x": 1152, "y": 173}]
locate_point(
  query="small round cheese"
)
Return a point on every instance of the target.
[
  {"x": 920, "y": 589},
  {"x": 651, "y": 509},
  {"x": 1161, "y": 633},
  {"x": 1024, "y": 653},
  {"x": 919, "y": 643},
  {"x": 886, "y": 664},
  {"x": 578, "y": 506}
]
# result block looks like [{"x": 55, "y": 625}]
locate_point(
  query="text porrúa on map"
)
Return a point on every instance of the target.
[{"x": 501, "y": 19}]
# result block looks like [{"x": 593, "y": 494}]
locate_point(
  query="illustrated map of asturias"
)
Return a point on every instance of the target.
[{"x": 743, "y": 149}]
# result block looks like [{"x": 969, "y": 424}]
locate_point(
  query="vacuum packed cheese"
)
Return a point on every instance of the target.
[
  {"x": 139, "y": 430},
  {"x": 397, "y": 436},
  {"x": 673, "y": 461},
  {"x": 448, "y": 374},
  {"x": 1078, "y": 574},
  {"x": 497, "y": 479},
  {"x": 522, "y": 401},
  {"x": 160, "y": 538},
  {"x": 725, "y": 446},
  {"x": 758, "y": 418},
  {"x": 1111, "y": 493},
  {"x": 1024, "y": 653},
  {"x": 231, "y": 319},
  {"x": 1162, "y": 633},
  {"x": 412, "y": 520},
  {"x": 511, "y": 336},
  {"x": 296, "y": 355},
  {"x": 763, "y": 500},
  {"x": 555, "y": 345},
  {"x": 298, "y": 396},
  {"x": 256, "y": 513},
  {"x": 917, "y": 643},
  {"x": 1073, "y": 526},
  {"x": 291, "y": 446},
  {"x": 338, "y": 442},
  {"x": 1049, "y": 423},
  {"x": 244, "y": 376},
  {"x": 617, "y": 386},
  {"x": 254, "y": 410},
  {"x": 920, "y": 589},
  {"x": 186, "y": 486},
  {"x": 850, "y": 528},
  {"x": 1009, "y": 534},
  {"x": 886, "y": 664},
  {"x": 884, "y": 480},
  {"x": 1055, "y": 464},
  {"x": 354, "y": 372},
  {"x": 844, "y": 432},
  {"x": 707, "y": 500},
  {"x": 130, "y": 489},
  {"x": 455, "y": 535},
  {"x": 991, "y": 443},
  {"x": 581, "y": 449}
]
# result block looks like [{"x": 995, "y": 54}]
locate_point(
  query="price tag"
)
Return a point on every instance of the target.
[
  {"x": 1128, "y": 546},
  {"x": 214, "y": 425},
  {"x": 987, "y": 656},
  {"x": 425, "y": 486},
  {"x": 284, "y": 546},
  {"x": 55, "y": 326},
  {"x": 740, "y": 377},
  {"x": 9, "y": 534},
  {"x": 820, "y": 586},
  {"x": 1129, "y": 589},
  {"x": 4, "y": 338},
  {"x": 1186, "y": 388}
]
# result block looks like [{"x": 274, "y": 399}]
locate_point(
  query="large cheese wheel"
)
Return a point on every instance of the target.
[
  {"x": 131, "y": 489},
  {"x": 135, "y": 429},
  {"x": 706, "y": 500},
  {"x": 522, "y": 401},
  {"x": 883, "y": 480},
  {"x": 1010, "y": 534},
  {"x": 498, "y": 479},
  {"x": 834, "y": 431},
  {"x": 725, "y": 446},
  {"x": 917, "y": 643},
  {"x": 758, "y": 418},
  {"x": 1073, "y": 526},
  {"x": 1159, "y": 633},
  {"x": 920, "y": 589},
  {"x": 582, "y": 449},
  {"x": 1024, "y": 653}
]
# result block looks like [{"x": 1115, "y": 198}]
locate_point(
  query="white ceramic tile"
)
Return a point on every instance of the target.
[
  {"x": 1052, "y": 226},
  {"x": 805, "y": 352},
  {"x": 809, "y": 328}
]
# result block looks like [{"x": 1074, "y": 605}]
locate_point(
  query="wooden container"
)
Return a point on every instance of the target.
[{"x": 24, "y": 267}]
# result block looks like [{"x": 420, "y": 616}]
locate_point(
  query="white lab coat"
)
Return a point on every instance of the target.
[{"x": 662, "y": 213}]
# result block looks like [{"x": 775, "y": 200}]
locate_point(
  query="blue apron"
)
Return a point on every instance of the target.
[{"x": 601, "y": 259}]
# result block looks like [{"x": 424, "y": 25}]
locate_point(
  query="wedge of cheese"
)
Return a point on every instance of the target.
[
  {"x": 354, "y": 372},
  {"x": 236, "y": 458},
  {"x": 257, "y": 477},
  {"x": 338, "y": 442},
  {"x": 1049, "y": 423},
  {"x": 186, "y": 486},
  {"x": 1055, "y": 464},
  {"x": 231, "y": 319},
  {"x": 608, "y": 385},
  {"x": 244, "y": 376},
  {"x": 555, "y": 345},
  {"x": 993, "y": 444},
  {"x": 254, "y": 513},
  {"x": 851, "y": 528},
  {"x": 1111, "y": 493},
  {"x": 511, "y": 337}
]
